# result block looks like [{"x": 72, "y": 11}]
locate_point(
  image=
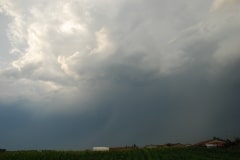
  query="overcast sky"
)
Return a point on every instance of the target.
[{"x": 81, "y": 73}]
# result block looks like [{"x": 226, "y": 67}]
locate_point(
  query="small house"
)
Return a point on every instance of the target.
[
  {"x": 212, "y": 143},
  {"x": 215, "y": 143}
]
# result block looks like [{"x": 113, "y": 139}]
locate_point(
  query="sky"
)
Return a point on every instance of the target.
[{"x": 81, "y": 73}]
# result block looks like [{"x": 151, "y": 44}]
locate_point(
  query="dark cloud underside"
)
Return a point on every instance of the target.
[{"x": 101, "y": 73}]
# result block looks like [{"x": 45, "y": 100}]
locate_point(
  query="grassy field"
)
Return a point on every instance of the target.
[{"x": 188, "y": 153}]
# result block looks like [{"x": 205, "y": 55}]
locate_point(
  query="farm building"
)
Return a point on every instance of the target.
[
  {"x": 100, "y": 148},
  {"x": 212, "y": 143},
  {"x": 215, "y": 143}
]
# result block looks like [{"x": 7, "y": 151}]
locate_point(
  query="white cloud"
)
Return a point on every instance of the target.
[
  {"x": 64, "y": 45},
  {"x": 104, "y": 45},
  {"x": 64, "y": 62},
  {"x": 58, "y": 44},
  {"x": 16, "y": 34}
]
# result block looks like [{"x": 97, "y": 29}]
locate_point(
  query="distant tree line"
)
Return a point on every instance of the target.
[{"x": 235, "y": 142}]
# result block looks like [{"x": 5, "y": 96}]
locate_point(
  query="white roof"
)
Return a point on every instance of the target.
[{"x": 100, "y": 148}]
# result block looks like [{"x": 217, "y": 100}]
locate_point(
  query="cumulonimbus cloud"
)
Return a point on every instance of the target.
[
  {"x": 90, "y": 72},
  {"x": 61, "y": 46}
]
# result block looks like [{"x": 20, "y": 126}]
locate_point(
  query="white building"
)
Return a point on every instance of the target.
[{"x": 100, "y": 148}]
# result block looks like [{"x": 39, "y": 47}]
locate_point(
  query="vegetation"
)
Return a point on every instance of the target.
[{"x": 169, "y": 153}]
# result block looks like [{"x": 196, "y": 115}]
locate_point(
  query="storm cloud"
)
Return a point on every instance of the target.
[{"x": 76, "y": 74}]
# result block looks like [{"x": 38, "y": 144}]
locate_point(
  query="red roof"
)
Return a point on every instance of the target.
[{"x": 214, "y": 141}]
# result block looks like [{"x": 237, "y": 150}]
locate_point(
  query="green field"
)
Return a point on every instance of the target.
[{"x": 188, "y": 153}]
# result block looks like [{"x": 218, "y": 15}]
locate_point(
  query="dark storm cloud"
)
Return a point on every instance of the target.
[
  {"x": 120, "y": 73},
  {"x": 180, "y": 108},
  {"x": 20, "y": 129},
  {"x": 186, "y": 107}
]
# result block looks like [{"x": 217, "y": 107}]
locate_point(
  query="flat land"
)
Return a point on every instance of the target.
[{"x": 186, "y": 153}]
